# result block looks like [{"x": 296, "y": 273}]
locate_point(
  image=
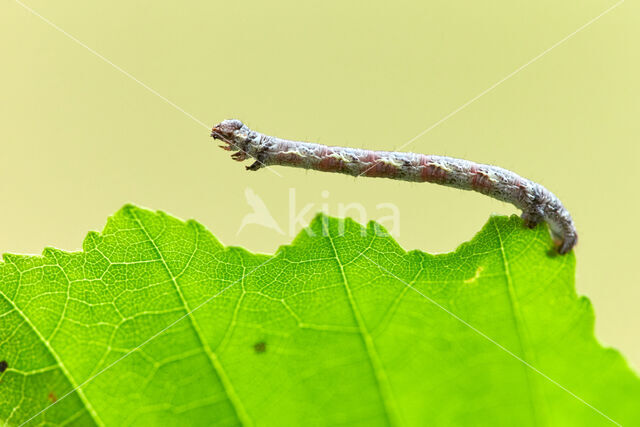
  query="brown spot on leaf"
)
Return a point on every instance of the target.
[
  {"x": 3, "y": 366},
  {"x": 52, "y": 397},
  {"x": 260, "y": 347}
]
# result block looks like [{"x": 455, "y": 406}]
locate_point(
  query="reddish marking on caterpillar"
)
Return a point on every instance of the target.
[
  {"x": 380, "y": 168},
  {"x": 52, "y": 397},
  {"x": 328, "y": 162},
  {"x": 431, "y": 171},
  {"x": 480, "y": 180},
  {"x": 522, "y": 187},
  {"x": 426, "y": 173},
  {"x": 369, "y": 157},
  {"x": 536, "y": 202}
]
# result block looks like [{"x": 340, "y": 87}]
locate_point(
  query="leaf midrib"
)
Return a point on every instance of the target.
[
  {"x": 519, "y": 328},
  {"x": 238, "y": 407},
  {"x": 379, "y": 374}
]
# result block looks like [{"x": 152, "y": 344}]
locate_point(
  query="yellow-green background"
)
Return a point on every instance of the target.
[{"x": 79, "y": 138}]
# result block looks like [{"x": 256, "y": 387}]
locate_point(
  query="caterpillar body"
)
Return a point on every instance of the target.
[{"x": 536, "y": 202}]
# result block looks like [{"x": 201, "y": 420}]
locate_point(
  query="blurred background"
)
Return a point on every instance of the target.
[{"x": 495, "y": 82}]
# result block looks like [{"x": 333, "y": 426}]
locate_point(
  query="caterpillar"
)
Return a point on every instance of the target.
[{"x": 536, "y": 202}]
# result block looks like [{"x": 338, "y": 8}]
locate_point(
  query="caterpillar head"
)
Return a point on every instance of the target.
[
  {"x": 235, "y": 135},
  {"x": 230, "y": 132}
]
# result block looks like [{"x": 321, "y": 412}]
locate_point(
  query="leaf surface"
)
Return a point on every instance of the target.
[{"x": 157, "y": 323}]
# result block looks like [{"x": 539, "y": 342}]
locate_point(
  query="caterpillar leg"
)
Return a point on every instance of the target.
[
  {"x": 254, "y": 166},
  {"x": 258, "y": 164},
  {"x": 532, "y": 218},
  {"x": 240, "y": 156},
  {"x": 566, "y": 243},
  {"x": 563, "y": 232}
]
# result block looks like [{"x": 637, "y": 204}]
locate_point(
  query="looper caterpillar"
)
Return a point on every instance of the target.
[{"x": 536, "y": 202}]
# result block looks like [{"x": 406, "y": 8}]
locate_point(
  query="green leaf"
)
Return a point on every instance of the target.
[{"x": 156, "y": 323}]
